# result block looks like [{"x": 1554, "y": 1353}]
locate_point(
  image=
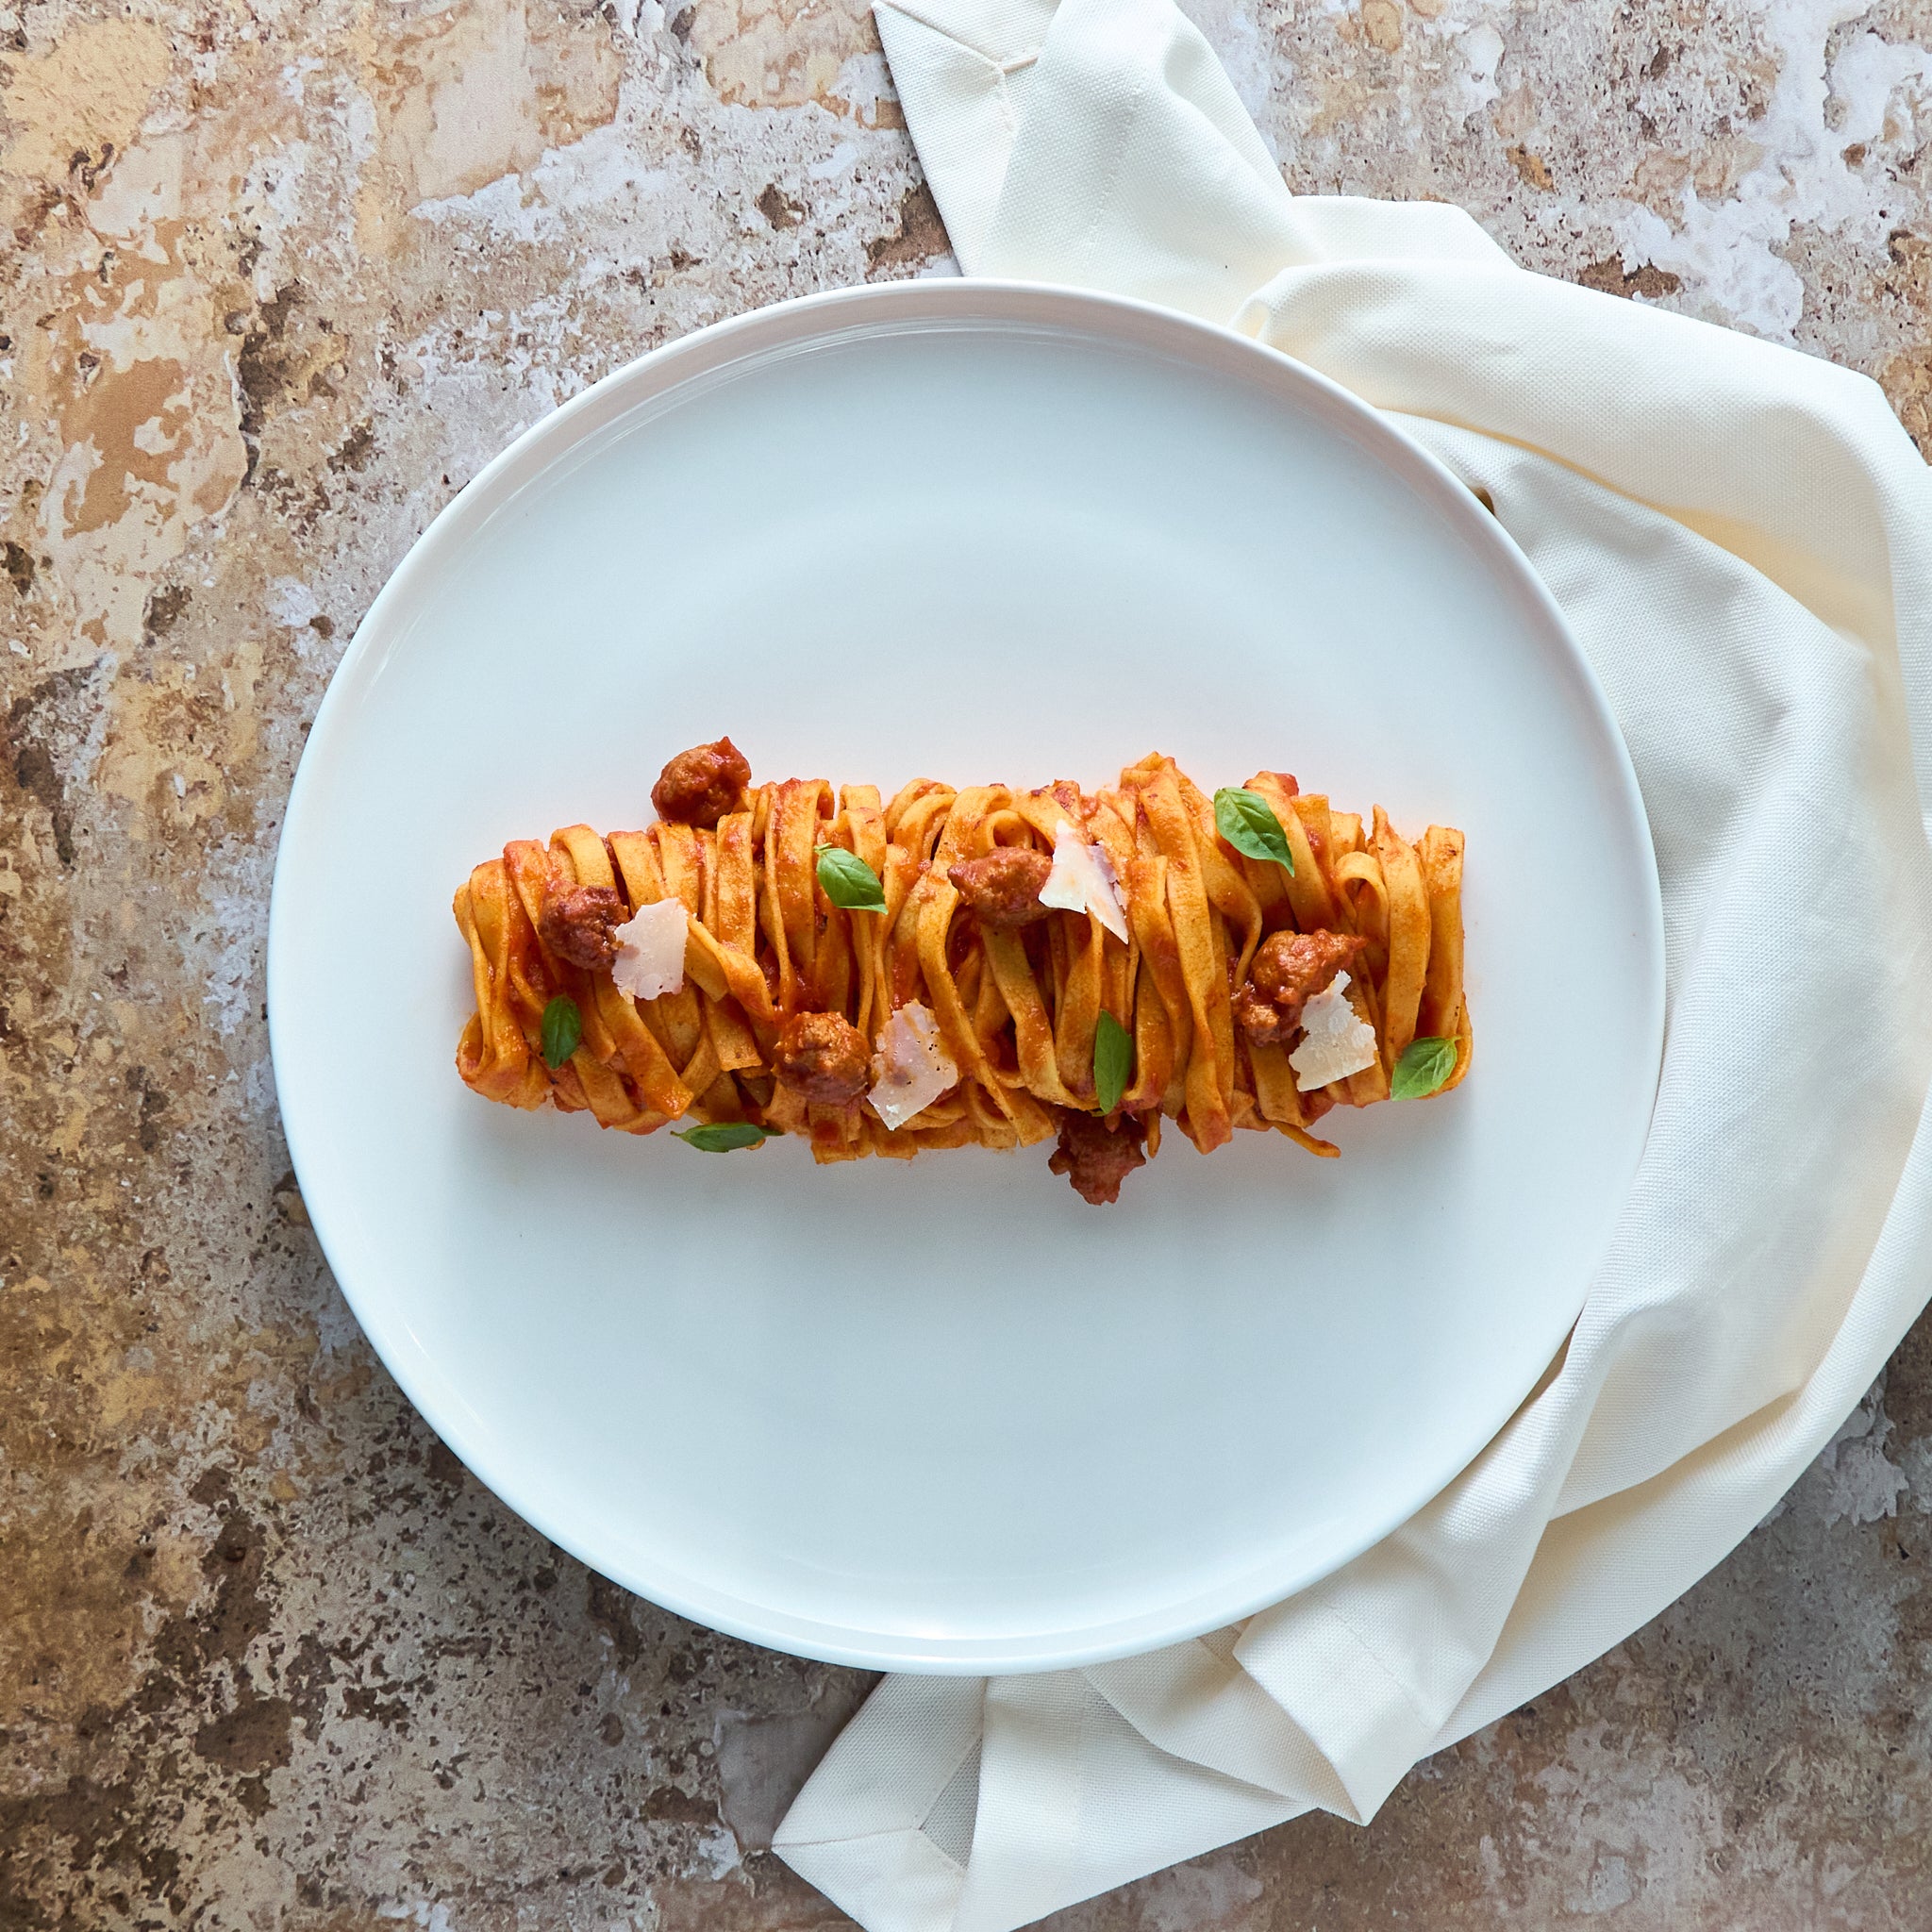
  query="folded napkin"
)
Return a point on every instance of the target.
[{"x": 1741, "y": 536}]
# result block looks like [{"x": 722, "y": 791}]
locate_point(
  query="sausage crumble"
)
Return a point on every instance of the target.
[
  {"x": 1097, "y": 1158},
  {"x": 576, "y": 922},
  {"x": 824, "y": 1057},
  {"x": 1289, "y": 969},
  {"x": 699, "y": 786},
  {"x": 1003, "y": 886}
]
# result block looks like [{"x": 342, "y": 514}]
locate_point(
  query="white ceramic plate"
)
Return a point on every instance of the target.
[{"x": 943, "y": 1415}]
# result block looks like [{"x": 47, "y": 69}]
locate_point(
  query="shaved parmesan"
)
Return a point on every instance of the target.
[
  {"x": 1083, "y": 880},
  {"x": 911, "y": 1068},
  {"x": 1336, "y": 1040},
  {"x": 650, "y": 951}
]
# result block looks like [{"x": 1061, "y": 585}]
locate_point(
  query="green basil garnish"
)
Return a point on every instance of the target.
[
  {"x": 563, "y": 1027},
  {"x": 1248, "y": 822},
  {"x": 1422, "y": 1068},
  {"x": 1113, "y": 1060},
  {"x": 726, "y": 1137},
  {"x": 849, "y": 882}
]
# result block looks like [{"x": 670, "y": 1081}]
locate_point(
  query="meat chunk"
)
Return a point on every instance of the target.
[
  {"x": 577, "y": 923},
  {"x": 1289, "y": 969},
  {"x": 699, "y": 786},
  {"x": 1002, "y": 887},
  {"x": 1096, "y": 1159},
  {"x": 1259, "y": 1018},
  {"x": 824, "y": 1057}
]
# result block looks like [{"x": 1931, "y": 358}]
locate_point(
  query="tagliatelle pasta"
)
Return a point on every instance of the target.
[{"x": 884, "y": 978}]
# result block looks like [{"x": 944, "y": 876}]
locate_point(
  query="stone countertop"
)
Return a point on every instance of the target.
[{"x": 281, "y": 278}]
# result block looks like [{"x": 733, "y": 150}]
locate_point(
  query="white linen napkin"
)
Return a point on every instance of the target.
[{"x": 1741, "y": 536}]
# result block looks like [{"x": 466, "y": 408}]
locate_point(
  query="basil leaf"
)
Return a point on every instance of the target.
[
  {"x": 563, "y": 1027},
  {"x": 726, "y": 1137},
  {"x": 1422, "y": 1068},
  {"x": 849, "y": 882},
  {"x": 1113, "y": 1060},
  {"x": 1248, "y": 822}
]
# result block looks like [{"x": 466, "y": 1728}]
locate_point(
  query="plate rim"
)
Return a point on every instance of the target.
[{"x": 999, "y": 305}]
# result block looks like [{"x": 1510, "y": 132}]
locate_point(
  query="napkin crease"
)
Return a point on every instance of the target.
[{"x": 1740, "y": 537}]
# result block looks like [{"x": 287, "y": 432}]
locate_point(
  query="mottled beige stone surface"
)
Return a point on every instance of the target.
[{"x": 278, "y": 277}]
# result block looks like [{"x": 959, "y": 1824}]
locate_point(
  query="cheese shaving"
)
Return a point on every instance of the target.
[
  {"x": 1336, "y": 1040},
  {"x": 911, "y": 1068},
  {"x": 1083, "y": 880},
  {"x": 650, "y": 951}
]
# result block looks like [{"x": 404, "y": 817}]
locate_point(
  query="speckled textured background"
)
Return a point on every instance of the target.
[{"x": 277, "y": 278}]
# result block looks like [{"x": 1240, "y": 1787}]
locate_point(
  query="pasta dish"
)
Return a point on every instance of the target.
[{"x": 982, "y": 966}]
